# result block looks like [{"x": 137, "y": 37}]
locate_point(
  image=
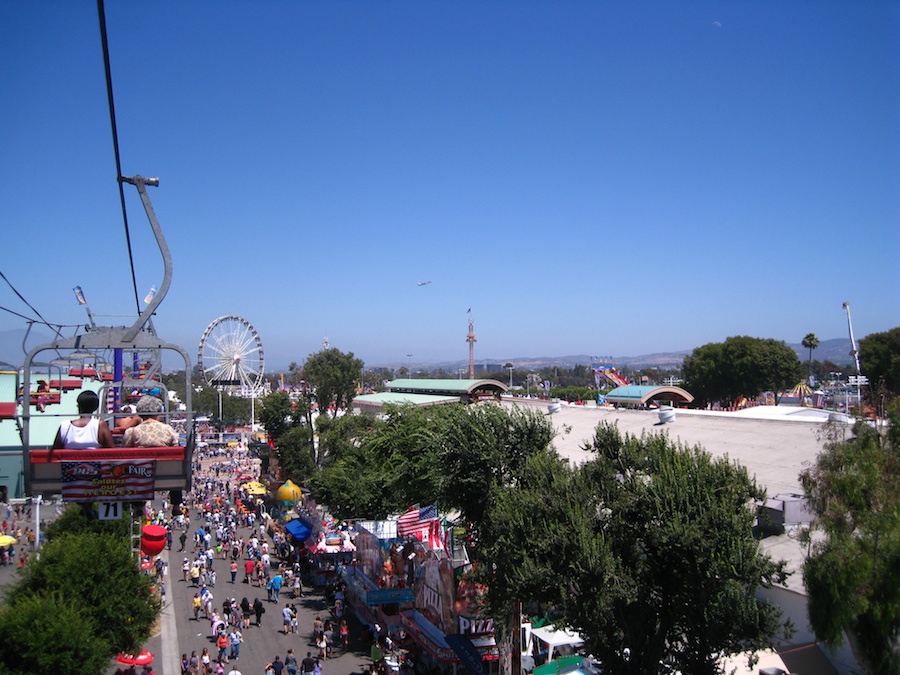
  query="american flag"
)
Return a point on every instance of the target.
[
  {"x": 439, "y": 535},
  {"x": 416, "y": 521}
]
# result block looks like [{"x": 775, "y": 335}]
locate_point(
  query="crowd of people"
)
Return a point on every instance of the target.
[
  {"x": 225, "y": 541},
  {"x": 16, "y": 525}
]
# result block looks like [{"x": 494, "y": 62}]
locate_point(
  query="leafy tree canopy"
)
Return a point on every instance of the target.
[
  {"x": 99, "y": 572},
  {"x": 852, "y": 575},
  {"x": 740, "y": 366},
  {"x": 277, "y": 414},
  {"x": 647, "y": 550},
  {"x": 879, "y": 356},
  {"x": 387, "y": 467},
  {"x": 483, "y": 447},
  {"x": 50, "y": 634},
  {"x": 453, "y": 454},
  {"x": 333, "y": 375},
  {"x": 295, "y": 454},
  {"x": 338, "y": 434}
]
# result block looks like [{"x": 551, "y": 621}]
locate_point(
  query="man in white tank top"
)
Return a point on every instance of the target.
[{"x": 86, "y": 431}]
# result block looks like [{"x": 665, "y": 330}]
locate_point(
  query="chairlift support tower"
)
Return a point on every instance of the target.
[{"x": 139, "y": 337}]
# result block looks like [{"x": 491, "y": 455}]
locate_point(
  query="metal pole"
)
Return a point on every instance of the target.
[{"x": 36, "y": 500}]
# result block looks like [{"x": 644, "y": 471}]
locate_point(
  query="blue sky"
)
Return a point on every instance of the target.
[{"x": 607, "y": 178}]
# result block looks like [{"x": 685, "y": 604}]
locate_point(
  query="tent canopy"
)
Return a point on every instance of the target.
[
  {"x": 298, "y": 530},
  {"x": 254, "y": 488}
]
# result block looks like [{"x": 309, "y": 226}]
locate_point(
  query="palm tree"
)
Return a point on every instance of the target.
[{"x": 810, "y": 342}]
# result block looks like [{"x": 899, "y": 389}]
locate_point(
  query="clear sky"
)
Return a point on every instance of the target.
[{"x": 606, "y": 178}]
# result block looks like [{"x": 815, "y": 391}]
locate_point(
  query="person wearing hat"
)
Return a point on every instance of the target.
[
  {"x": 42, "y": 395},
  {"x": 86, "y": 431},
  {"x": 151, "y": 432}
]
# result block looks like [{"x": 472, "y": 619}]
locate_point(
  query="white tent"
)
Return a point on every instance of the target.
[{"x": 554, "y": 638}]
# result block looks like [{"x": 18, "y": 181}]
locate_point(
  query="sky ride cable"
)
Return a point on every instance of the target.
[
  {"x": 46, "y": 323},
  {"x": 112, "y": 119},
  {"x": 15, "y": 313}
]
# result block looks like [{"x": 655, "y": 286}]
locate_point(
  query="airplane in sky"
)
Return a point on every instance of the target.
[{"x": 423, "y": 283}]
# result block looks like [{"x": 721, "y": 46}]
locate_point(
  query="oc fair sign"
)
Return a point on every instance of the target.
[{"x": 123, "y": 481}]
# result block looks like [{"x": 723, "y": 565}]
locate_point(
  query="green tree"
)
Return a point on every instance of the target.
[
  {"x": 453, "y": 454},
  {"x": 879, "y": 356},
  {"x": 235, "y": 409},
  {"x": 76, "y": 519},
  {"x": 384, "y": 470},
  {"x": 810, "y": 342},
  {"x": 852, "y": 574},
  {"x": 277, "y": 414},
  {"x": 295, "y": 454},
  {"x": 687, "y": 566},
  {"x": 647, "y": 550},
  {"x": 480, "y": 448},
  {"x": 333, "y": 375},
  {"x": 740, "y": 366},
  {"x": 206, "y": 401},
  {"x": 295, "y": 374},
  {"x": 338, "y": 435},
  {"x": 98, "y": 572},
  {"x": 514, "y": 562},
  {"x": 50, "y": 634}
]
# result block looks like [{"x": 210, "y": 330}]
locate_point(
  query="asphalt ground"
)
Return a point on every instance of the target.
[{"x": 180, "y": 633}]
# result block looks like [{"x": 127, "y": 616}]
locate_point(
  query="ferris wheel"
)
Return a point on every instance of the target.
[{"x": 231, "y": 355}]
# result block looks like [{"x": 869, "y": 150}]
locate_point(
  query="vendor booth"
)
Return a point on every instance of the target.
[
  {"x": 298, "y": 529},
  {"x": 327, "y": 552},
  {"x": 550, "y": 642},
  {"x": 434, "y": 641}
]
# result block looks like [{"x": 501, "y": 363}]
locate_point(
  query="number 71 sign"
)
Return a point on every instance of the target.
[{"x": 110, "y": 510}]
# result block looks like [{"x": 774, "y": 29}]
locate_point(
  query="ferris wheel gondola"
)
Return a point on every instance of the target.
[{"x": 231, "y": 356}]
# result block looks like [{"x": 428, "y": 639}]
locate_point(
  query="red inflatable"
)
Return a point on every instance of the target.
[{"x": 153, "y": 539}]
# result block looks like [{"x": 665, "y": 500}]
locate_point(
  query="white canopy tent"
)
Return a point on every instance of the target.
[{"x": 559, "y": 639}]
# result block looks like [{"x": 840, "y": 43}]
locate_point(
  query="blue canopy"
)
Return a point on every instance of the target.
[{"x": 298, "y": 530}]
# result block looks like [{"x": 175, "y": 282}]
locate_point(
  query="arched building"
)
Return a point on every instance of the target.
[
  {"x": 430, "y": 392},
  {"x": 642, "y": 395}
]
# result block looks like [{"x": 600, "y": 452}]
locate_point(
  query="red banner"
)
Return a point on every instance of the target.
[{"x": 107, "y": 481}]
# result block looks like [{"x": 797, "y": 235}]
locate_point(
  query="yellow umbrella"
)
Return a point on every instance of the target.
[
  {"x": 6, "y": 540},
  {"x": 255, "y": 488}
]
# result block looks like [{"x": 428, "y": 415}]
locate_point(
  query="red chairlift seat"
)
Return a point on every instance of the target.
[
  {"x": 83, "y": 372},
  {"x": 65, "y": 385},
  {"x": 51, "y": 456},
  {"x": 7, "y": 410},
  {"x": 170, "y": 469}
]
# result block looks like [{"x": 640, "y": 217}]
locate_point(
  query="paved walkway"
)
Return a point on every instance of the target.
[{"x": 181, "y": 634}]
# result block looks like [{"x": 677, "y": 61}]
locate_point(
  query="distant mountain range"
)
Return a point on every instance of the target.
[{"x": 836, "y": 350}]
